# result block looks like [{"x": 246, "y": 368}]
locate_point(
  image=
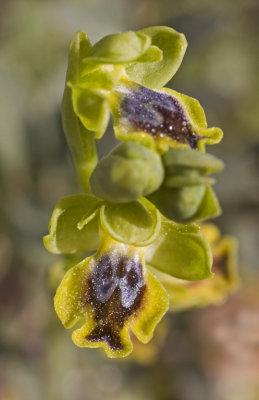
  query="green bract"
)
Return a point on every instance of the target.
[
  {"x": 73, "y": 226},
  {"x": 139, "y": 200}
]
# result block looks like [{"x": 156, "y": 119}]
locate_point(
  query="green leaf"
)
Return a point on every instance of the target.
[
  {"x": 181, "y": 251},
  {"x": 120, "y": 48},
  {"x": 136, "y": 223},
  {"x": 131, "y": 171},
  {"x": 74, "y": 225},
  {"x": 92, "y": 108},
  {"x": 157, "y": 74}
]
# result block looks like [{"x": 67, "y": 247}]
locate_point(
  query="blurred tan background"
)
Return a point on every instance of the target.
[{"x": 210, "y": 354}]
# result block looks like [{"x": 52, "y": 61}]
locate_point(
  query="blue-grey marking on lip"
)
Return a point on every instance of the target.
[
  {"x": 158, "y": 114},
  {"x": 115, "y": 291}
]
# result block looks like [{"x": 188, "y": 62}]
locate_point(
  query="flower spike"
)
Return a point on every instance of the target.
[{"x": 130, "y": 243}]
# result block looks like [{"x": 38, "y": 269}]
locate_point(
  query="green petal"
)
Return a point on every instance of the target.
[
  {"x": 136, "y": 223},
  {"x": 120, "y": 48},
  {"x": 92, "y": 108},
  {"x": 155, "y": 306},
  {"x": 157, "y": 74},
  {"x": 181, "y": 251},
  {"x": 97, "y": 79},
  {"x": 131, "y": 171},
  {"x": 74, "y": 225}
]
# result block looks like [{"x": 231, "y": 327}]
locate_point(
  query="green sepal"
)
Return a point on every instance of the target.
[
  {"x": 120, "y": 48},
  {"x": 136, "y": 223},
  {"x": 181, "y": 251},
  {"x": 184, "y": 295},
  {"x": 177, "y": 159},
  {"x": 79, "y": 49},
  {"x": 157, "y": 74},
  {"x": 73, "y": 225},
  {"x": 92, "y": 108},
  {"x": 129, "y": 172},
  {"x": 80, "y": 140},
  {"x": 209, "y": 206}
]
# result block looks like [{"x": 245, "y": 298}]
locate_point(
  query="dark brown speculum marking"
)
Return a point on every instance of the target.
[
  {"x": 158, "y": 114},
  {"x": 115, "y": 291}
]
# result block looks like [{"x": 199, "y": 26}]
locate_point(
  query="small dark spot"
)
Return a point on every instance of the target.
[
  {"x": 158, "y": 114},
  {"x": 115, "y": 291}
]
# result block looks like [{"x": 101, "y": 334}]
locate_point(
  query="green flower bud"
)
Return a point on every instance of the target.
[
  {"x": 130, "y": 171},
  {"x": 186, "y": 194},
  {"x": 204, "y": 163},
  {"x": 187, "y": 203}
]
